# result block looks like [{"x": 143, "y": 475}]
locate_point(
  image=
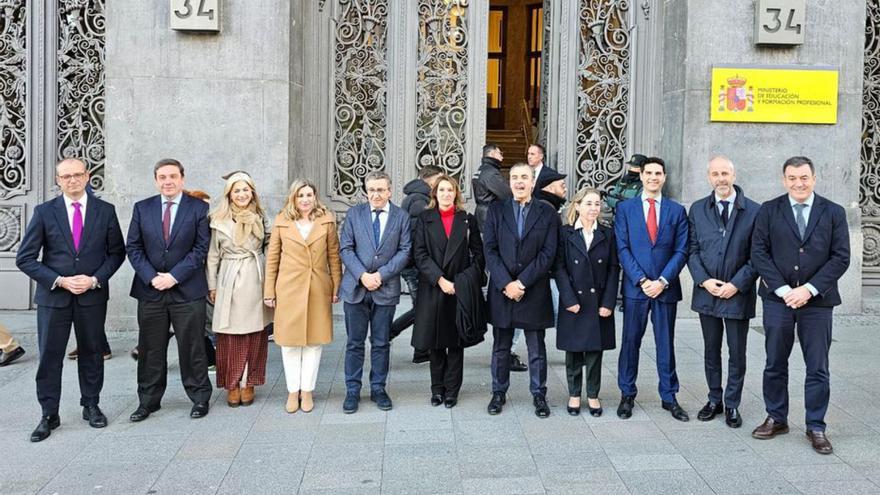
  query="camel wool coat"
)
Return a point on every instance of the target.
[{"x": 303, "y": 275}]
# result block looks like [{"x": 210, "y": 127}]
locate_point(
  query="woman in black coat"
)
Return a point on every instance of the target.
[
  {"x": 587, "y": 275},
  {"x": 446, "y": 242}
]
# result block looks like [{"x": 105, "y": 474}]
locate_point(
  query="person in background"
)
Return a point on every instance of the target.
[
  {"x": 10, "y": 350},
  {"x": 627, "y": 187},
  {"x": 488, "y": 183}
]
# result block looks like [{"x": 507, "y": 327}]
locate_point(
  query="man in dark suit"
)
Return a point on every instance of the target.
[
  {"x": 800, "y": 248},
  {"x": 652, "y": 240},
  {"x": 520, "y": 248},
  {"x": 724, "y": 284},
  {"x": 535, "y": 159},
  {"x": 167, "y": 245},
  {"x": 375, "y": 247},
  {"x": 82, "y": 247}
]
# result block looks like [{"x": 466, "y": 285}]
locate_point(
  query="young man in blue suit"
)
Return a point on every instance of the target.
[
  {"x": 167, "y": 246},
  {"x": 800, "y": 248},
  {"x": 82, "y": 247},
  {"x": 375, "y": 247},
  {"x": 652, "y": 240}
]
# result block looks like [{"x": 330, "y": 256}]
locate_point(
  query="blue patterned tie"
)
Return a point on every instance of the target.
[
  {"x": 799, "y": 218},
  {"x": 520, "y": 221},
  {"x": 376, "y": 227}
]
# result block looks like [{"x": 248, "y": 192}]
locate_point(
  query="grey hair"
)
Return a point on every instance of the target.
[
  {"x": 719, "y": 156},
  {"x": 377, "y": 175},
  {"x": 526, "y": 165}
]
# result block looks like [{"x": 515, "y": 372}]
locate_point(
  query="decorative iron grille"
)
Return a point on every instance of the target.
[
  {"x": 869, "y": 182},
  {"x": 14, "y": 177}
]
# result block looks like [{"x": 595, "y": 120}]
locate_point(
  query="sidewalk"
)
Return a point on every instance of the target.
[{"x": 417, "y": 449}]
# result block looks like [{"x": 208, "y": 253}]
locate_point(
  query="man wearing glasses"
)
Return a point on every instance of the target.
[{"x": 82, "y": 247}]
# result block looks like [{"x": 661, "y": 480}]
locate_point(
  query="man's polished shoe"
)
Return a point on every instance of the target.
[
  {"x": 94, "y": 416},
  {"x": 44, "y": 429},
  {"x": 380, "y": 397},
  {"x": 8, "y": 357},
  {"x": 542, "y": 410},
  {"x": 350, "y": 404},
  {"x": 676, "y": 410},
  {"x": 437, "y": 399},
  {"x": 769, "y": 429},
  {"x": 710, "y": 410},
  {"x": 450, "y": 402},
  {"x": 732, "y": 417},
  {"x": 496, "y": 405},
  {"x": 142, "y": 413},
  {"x": 625, "y": 409},
  {"x": 516, "y": 364},
  {"x": 199, "y": 410},
  {"x": 820, "y": 442}
]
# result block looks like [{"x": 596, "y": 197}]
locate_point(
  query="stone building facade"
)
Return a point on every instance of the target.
[{"x": 331, "y": 89}]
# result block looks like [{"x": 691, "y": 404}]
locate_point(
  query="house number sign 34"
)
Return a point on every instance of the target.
[
  {"x": 780, "y": 22},
  {"x": 195, "y": 15}
]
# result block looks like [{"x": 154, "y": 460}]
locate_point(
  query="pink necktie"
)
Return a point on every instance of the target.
[
  {"x": 77, "y": 228},
  {"x": 166, "y": 220}
]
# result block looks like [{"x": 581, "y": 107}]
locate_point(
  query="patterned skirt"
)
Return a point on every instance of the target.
[{"x": 234, "y": 352}]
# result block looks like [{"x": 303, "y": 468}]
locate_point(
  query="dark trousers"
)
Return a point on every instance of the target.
[
  {"x": 813, "y": 326},
  {"x": 411, "y": 277},
  {"x": 503, "y": 339},
  {"x": 447, "y": 370},
  {"x": 737, "y": 334},
  {"x": 53, "y": 331},
  {"x": 575, "y": 362},
  {"x": 360, "y": 319},
  {"x": 635, "y": 321},
  {"x": 188, "y": 320}
]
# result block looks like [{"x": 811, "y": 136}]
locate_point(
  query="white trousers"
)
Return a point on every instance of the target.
[{"x": 301, "y": 367}]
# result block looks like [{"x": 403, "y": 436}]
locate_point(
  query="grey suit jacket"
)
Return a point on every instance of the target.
[{"x": 360, "y": 254}]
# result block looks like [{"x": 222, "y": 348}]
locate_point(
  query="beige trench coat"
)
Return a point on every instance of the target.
[
  {"x": 303, "y": 275},
  {"x": 236, "y": 273}
]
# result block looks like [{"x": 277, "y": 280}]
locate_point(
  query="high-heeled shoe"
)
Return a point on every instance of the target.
[
  {"x": 307, "y": 402},
  {"x": 292, "y": 405},
  {"x": 573, "y": 410},
  {"x": 594, "y": 411}
]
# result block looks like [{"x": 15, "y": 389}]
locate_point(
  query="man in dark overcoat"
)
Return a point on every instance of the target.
[
  {"x": 724, "y": 283},
  {"x": 520, "y": 248}
]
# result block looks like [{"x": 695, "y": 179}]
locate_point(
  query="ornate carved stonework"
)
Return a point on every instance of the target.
[
  {"x": 545, "y": 73},
  {"x": 80, "y": 110},
  {"x": 14, "y": 178},
  {"x": 603, "y": 91},
  {"x": 869, "y": 184},
  {"x": 442, "y": 85},
  {"x": 11, "y": 227},
  {"x": 360, "y": 83}
]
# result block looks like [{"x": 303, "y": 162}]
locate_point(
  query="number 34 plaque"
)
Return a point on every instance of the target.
[
  {"x": 780, "y": 22},
  {"x": 195, "y": 15}
]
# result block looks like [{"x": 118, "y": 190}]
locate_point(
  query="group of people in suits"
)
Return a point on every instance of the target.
[{"x": 540, "y": 269}]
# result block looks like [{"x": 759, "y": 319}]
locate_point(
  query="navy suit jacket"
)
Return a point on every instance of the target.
[
  {"x": 639, "y": 258},
  {"x": 782, "y": 258},
  {"x": 183, "y": 256},
  {"x": 100, "y": 254},
  {"x": 360, "y": 255}
]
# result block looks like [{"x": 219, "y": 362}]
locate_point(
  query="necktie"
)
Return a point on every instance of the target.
[
  {"x": 652, "y": 220},
  {"x": 77, "y": 228},
  {"x": 801, "y": 221},
  {"x": 520, "y": 221},
  {"x": 376, "y": 227},
  {"x": 725, "y": 212},
  {"x": 166, "y": 220}
]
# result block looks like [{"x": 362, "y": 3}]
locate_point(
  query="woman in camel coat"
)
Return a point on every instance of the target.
[{"x": 303, "y": 273}]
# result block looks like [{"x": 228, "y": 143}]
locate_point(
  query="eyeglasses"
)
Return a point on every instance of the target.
[
  {"x": 67, "y": 177},
  {"x": 377, "y": 191}
]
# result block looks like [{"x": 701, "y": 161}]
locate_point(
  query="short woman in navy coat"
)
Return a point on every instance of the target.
[{"x": 587, "y": 274}]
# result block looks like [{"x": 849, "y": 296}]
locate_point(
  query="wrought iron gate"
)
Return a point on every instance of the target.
[{"x": 869, "y": 182}]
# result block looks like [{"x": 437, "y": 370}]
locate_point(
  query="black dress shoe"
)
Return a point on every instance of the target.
[
  {"x": 732, "y": 417},
  {"x": 710, "y": 410},
  {"x": 496, "y": 405},
  {"x": 516, "y": 364},
  {"x": 625, "y": 409},
  {"x": 820, "y": 442},
  {"x": 437, "y": 399},
  {"x": 142, "y": 413},
  {"x": 44, "y": 429},
  {"x": 542, "y": 410},
  {"x": 350, "y": 404},
  {"x": 199, "y": 410},
  {"x": 450, "y": 402},
  {"x": 8, "y": 357},
  {"x": 676, "y": 410},
  {"x": 380, "y": 397},
  {"x": 94, "y": 416}
]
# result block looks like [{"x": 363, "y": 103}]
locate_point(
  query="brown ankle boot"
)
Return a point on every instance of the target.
[
  {"x": 233, "y": 397},
  {"x": 292, "y": 402},
  {"x": 247, "y": 396},
  {"x": 307, "y": 403}
]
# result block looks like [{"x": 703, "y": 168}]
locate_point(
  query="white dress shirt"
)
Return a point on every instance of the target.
[
  {"x": 175, "y": 204},
  {"x": 383, "y": 218},
  {"x": 586, "y": 233},
  {"x": 646, "y": 207},
  {"x": 68, "y": 203}
]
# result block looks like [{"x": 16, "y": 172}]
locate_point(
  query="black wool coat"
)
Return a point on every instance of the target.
[
  {"x": 588, "y": 276},
  {"x": 437, "y": 256}
]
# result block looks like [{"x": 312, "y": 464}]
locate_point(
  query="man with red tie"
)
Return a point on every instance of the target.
[
  {"x": 652, "y": 241},
  {"x": 82, "y": 247}
]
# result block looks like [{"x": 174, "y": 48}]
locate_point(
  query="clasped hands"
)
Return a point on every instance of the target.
[
  {"x": 653, "y": 288},
  {"x": 797, "y": 297},
  {"x": 371, "y": 281},
  {"x": 163, "y": 281},
  {"x": 76, "y": 284},
  {"x": 513, "y": 291},
  {"x": 719, "y": 289}
]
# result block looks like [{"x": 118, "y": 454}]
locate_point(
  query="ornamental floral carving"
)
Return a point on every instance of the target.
[
  {"x": 11, "y": 227},
  {"x": 869, "y": 182},
  {"x": 14, "y": 178}
]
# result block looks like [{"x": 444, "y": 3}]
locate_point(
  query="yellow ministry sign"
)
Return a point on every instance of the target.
[{"x": 791, "y": 95}]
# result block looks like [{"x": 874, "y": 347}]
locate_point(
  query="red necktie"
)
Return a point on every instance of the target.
[
  {"x": 652, "y": 220},
  {"x": 166, "y": 220}
]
